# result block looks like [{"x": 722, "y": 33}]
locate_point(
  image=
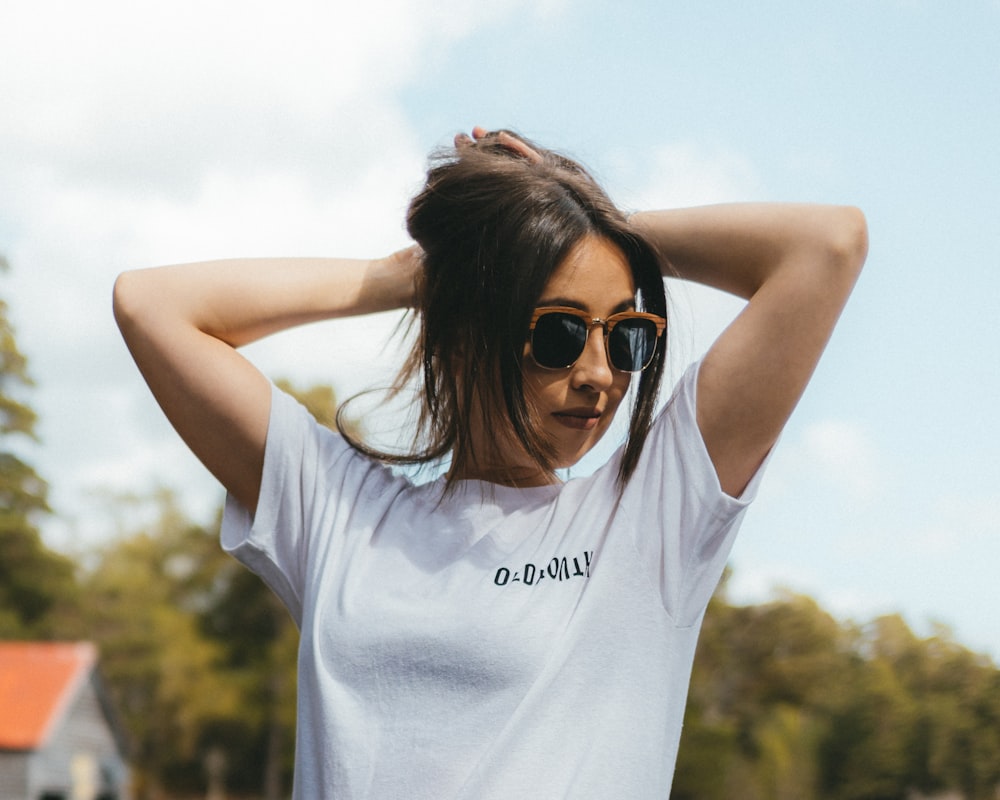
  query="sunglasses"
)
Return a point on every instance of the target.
[{"x": 558, "y": 336}]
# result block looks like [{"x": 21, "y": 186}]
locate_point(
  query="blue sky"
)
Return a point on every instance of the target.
[{"x": 136, "y": 134}]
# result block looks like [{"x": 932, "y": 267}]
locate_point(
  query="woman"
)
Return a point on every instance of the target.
[{"x": 496, "y": 633}]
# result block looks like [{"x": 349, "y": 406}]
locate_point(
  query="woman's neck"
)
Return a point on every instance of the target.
[{"x": 518, "y": 477}]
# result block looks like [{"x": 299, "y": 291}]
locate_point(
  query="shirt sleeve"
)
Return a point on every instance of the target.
[
  {"x": 683, "y": 523},
  {"x": 302, "y": 460}
]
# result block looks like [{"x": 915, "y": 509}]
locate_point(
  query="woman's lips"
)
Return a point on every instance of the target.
[{"x": 578, "y": 419}]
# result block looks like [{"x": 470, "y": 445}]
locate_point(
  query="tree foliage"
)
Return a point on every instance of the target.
[
  {"x": 788, "y": 703},
  {"x": 34, "y": 580}
]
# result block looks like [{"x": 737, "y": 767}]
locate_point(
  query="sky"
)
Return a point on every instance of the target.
[{"x": 135, "y": 134}]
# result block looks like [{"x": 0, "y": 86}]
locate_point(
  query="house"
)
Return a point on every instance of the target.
[{"x": 59, "y": 739}]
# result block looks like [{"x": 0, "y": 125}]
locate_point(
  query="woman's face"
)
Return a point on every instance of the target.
[{"x": 573, "y": 407}]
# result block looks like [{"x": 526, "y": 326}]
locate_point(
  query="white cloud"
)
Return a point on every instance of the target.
[
  {"x": 688, "y": 174},
  {"x": 847, "y": 455},
  {"x": 954, "y": 524},
  {"x": 149, "y": 96},
  {"x": 840, "y": 456}
]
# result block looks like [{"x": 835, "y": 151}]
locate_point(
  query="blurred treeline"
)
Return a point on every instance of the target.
[{"x": 786, "y": 702}]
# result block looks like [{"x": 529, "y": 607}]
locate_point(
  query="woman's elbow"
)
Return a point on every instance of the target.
[
  {"x": 849, "y": 239},
  {"x": 127, "y": 297},
  {"x": 136, "y": 298},
  {"x": 121, "y": 296}
]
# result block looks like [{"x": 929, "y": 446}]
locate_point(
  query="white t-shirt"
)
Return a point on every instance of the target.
[{"x": 497, "y": 642}]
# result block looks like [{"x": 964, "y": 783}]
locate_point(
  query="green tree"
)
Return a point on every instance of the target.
[
  {"x": 34, "y": 581},
  {"x": 864, "y": 755},
  {"x": 709, "y": 749},
  {"x": 785, "y": 740},
  {"x": 955, "y": 741},
  {"x": 141, "y": 603},
  {"x": 764, "y": 680},
  {"x": 258, "y": 643}
]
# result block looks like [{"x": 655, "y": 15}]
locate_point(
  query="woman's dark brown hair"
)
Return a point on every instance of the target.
[{"x": 494, "y": 225}]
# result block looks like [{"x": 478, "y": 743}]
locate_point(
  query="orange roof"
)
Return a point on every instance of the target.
[{"x": 38, "y": 680}]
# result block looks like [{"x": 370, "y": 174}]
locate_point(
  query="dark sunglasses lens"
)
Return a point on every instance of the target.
[
  {"x": 557, "y": 340},
  {"x": 631, "y": 344}
]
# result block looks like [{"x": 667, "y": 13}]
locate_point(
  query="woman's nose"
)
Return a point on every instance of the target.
[{"x": 592, "y": 369}]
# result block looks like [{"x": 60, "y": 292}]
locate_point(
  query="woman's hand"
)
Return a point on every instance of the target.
[
  {"x": 400, "y": 272},
  {"x": 503, "y": 138}
]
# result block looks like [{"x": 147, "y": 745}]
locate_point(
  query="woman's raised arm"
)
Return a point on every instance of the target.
[
  {"x": 796, "y": 265},
  {"x": 183, "y": 324}
]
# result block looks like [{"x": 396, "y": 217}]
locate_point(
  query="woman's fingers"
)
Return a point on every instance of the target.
[
  {"x": 503, "y": 138},
  {"x": 515, "y": 145}
]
